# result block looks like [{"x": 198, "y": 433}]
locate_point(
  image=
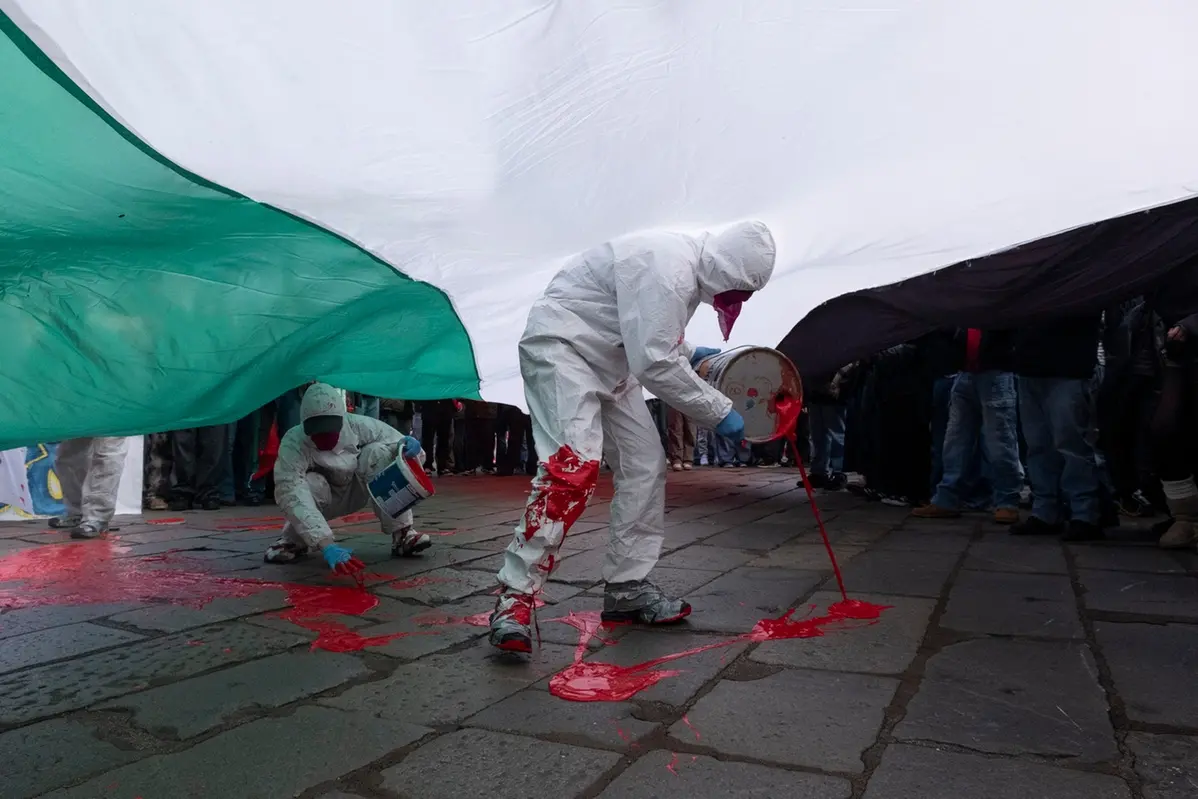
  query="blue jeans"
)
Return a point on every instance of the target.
[
  {"x": 287, "y": 411},
  {"x": 367, "y": 406},
  {"x": 1055, "y": 415},
  {"x": 827, "y": 437},
  {"x": 726, "y": 451},
  {"x": 982, "y": 406}
]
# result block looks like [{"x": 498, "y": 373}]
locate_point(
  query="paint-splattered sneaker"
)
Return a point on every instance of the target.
[
  {"x": 407, "y": 542},
  {"x": 285, "y": 551},
  {"x": 88, "y": 530},
  {"x": 65, "y": 522},
  {"x": 511, "y": 623},
  {"x": 641, "y": 602}
]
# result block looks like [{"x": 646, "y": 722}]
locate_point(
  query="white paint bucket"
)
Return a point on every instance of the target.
[
  {"x": 400, "y": 486},
  {"x": 754, "y": 378}
]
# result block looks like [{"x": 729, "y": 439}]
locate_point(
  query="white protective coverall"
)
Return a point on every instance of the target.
[
  {"x": 312, "y": 486},
  {"x": 611, "y": 321},
  {"x": 89, "y": 471}
]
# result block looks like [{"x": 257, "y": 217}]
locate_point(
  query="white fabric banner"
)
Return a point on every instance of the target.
[
  {"x": 29, "y": 488},
  {"x": 474, "y": 145}
]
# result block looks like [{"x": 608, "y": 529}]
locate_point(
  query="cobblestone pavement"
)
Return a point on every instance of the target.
[{"x": 1005, "y": 668}]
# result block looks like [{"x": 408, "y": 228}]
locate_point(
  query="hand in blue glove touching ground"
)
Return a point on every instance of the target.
[{"x": 341, "y": 560}]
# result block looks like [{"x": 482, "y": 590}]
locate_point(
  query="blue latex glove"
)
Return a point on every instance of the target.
[
  {"x": 341, "y": 560},
  {"x": 701, "y": 353},
  {"x": 733, "y": 427},
  {"x": 411, "y": 447}
]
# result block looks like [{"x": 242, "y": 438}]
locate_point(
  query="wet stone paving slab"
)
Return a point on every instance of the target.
[{"x": 168, "y": 661}]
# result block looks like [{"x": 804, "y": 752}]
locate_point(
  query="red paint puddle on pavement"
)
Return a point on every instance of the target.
[
  {"x": 87, "y": 573},
  {"x": 417, "y": 582},
  {"x": 353, "y": 518},
  {"x": 837, "y": 618}
]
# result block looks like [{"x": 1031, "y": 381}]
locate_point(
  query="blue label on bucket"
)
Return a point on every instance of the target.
[{"x": 392, "y": 491}]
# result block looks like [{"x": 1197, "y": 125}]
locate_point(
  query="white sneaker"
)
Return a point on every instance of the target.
[
  {"x": 676, "y": 466},
  {"x": 407, "y": 542}
]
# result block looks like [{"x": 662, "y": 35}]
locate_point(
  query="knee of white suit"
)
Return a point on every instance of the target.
[
  {"x": 322, "y": 494},
  {"x": 375, "y": 457}
]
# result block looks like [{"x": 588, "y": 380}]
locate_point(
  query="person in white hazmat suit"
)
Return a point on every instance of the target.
[
  {"x": 322, "y": 471},
  {"x": 89, "y": 472},
  {"x": 611, "y": 321}
]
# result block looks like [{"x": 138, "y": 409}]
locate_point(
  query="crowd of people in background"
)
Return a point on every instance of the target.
[
  {"x": 1077, "y": 422},
  {"x": 1059, "y": 429}
]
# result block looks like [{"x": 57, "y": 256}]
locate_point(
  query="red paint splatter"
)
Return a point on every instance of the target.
[
  {"x": 672, "y": 766},
  {"x": 561, "y": 489},
  {"x": 439, "y": 532},
  {"x": 353, "y": 518},
  {"x": 417, "y": 582},
  {"x": 88, "y": 573},
  {"x": 172, "y": 520},
  {"x": 751, "y": 392},
  {"x": 788, "y": 409},
  {"x": 477, "y": 620},
  {"x": 839, "y": 617},
  {"x": 687, "y": 722},
  {"x": 588, "y": 681}
]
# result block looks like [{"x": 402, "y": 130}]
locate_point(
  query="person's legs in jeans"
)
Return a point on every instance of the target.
[
  {"x": 998, "y": 398},
  {"x": 367, "y": 406},
  {"x": 1044, "y": 462},
  {"x": 1068, "y": 409},
  {"x": 960, "y": 440},
  {"x": 225, "y": 483},
  {"x": 287, "y": 411},
  {"x": 942, "y": 391}
]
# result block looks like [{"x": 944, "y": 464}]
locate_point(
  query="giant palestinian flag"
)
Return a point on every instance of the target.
[{"x": 206, "y": 202}]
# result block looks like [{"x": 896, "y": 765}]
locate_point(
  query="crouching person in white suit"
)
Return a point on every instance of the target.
[{"x": 322, "y": 472}]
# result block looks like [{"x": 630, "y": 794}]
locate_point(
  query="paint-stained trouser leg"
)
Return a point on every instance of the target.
[{"x": 563, "y": 397}]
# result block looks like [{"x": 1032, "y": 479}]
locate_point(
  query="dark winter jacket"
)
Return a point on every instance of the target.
[{"x": 1066, "y": 348}]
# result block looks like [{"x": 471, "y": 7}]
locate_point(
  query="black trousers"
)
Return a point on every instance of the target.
[
  {"x": 199, "y": 453},
  {"x": 480, "y": 444},
  {"x": 436, "y": 436},
  {"x": 511, "y": 427}
]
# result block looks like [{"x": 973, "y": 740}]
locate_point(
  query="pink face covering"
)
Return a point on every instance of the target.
[
  {"x": 727, "y": 308},
  {"x": 325, "y": 441}
]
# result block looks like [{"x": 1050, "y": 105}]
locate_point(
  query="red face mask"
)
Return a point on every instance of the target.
[
  {"x": 727, "y": 308},
  {"x": 325, "y": 441}
]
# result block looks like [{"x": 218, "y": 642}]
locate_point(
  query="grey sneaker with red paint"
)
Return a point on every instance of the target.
[
  {"x": 511, "y": 623},
  {"x": 641, "y": 602}
]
